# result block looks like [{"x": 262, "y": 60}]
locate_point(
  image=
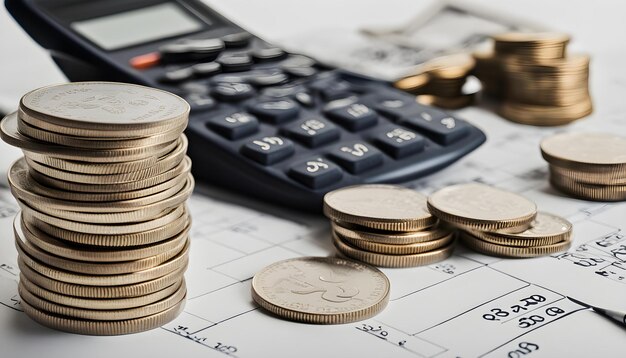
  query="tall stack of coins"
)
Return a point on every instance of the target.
[
  {"x": 443, "y": 82},
  {"x": 386, "y": 225},
  {"x": 103, "y": 232},
  {"x": 497, "y": 222},
  {"x": 590, "y": 166},
  {"x": 538, "y": 83}
]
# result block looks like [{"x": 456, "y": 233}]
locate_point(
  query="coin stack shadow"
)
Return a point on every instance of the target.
[
  {"x": 500, "y": 223},
  {"x": 537, "y": 82},
  {"x": 410, "y": 237},
  {"x": 444, "y": 82},
  {"x": 590, "y": 166},
  {"x": 102, "y": 236}
]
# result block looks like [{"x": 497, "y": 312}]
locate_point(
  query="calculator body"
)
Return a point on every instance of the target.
[{"x": 266, "y": 123}]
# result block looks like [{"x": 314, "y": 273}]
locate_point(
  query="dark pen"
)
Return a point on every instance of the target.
[{"x": 619, "y": 317}]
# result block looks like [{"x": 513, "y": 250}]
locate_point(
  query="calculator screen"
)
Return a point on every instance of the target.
[{"x": 135, "y": 27}]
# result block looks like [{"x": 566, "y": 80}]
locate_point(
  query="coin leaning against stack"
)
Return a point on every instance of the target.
[
  {"x": 102, "y": 236},
  {"x": 538, "y": 82},
  {"x": 386, "y": 225},
  {"x": 590, "y": 166},
  {"x": 500, "y": 223}
]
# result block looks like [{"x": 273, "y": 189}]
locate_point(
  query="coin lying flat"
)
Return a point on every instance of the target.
[
  {"x": 321, "y": 290},
  {"x": 397, "y": 249},
  {"x": 585, "y": 151},
  {"x": 106, "y": 105},
  {"x": 103, "y": 327},
  {"x": 482, "y": 207},
  {"x": 513, "y": 251},
  {"x": 386, "y": 260},
  {"x": 388, "y": 237},
  {"x": 589, "y": 191},
  {"x": 384, "y": 207},
  {"x": 546, "y": 229},
  {"x": 598, "y": 176}
]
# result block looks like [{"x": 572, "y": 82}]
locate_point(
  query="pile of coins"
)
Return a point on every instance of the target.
[
  {"x": 321, "y": 290},
  {"x": 496, "y": 222},
  {"x": 443, "y": 82},
  {"x": 102, "y": 236},
  {"x": 386, "y": 225},
  {"x": 538, "y": 83},
  {"x": 590, "y": 166}
]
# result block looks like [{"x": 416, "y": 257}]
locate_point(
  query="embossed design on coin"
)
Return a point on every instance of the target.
[{"x": 323, "y": 290}]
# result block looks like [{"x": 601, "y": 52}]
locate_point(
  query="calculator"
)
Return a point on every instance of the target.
[{"x": 264, "y": 122}]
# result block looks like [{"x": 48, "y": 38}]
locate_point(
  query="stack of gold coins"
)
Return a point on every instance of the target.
[
  {"x": 497, "y": 222},
  {"x": 442, "y": 82},
  {"x": 590, "y": 166},
  {"x": 102, "y": 236},
  {"x": 538, "y": 83},
  {"x": 386, "y": 225}
]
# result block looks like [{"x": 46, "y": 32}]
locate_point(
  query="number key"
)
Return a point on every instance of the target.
[
  {"x": 357, "y": 157},
  {"x": 268, "y": 150},
  {"x": 399, "y": 142},
  {"x": 355, "y": 116},
  {"x": 438, "y": 125},
  {"x": 313, "y": 132},
  {"x": 235, "y": 125},
  {"x": 315, "y": 172},
  {"x": 278, "y": 111}
]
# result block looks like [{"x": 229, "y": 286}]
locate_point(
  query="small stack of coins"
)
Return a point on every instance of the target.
[
  {"x": 590, "y": 166},
  {"x": 102, "y": 236},
  {"x": 443, "y": 82},
  {"x": 538, "y": 83},
  {"x": 386, "y": 225},
  {"x": 497, "y": 222}
]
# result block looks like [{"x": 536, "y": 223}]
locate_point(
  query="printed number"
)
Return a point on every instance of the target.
[
  {"x": 448, "y": 122},
  {"x": 357, "y": 110},
  {"x": 400, "y": 135},
  {"x": 225, "y": 348},
  {"x": 526, "y": 322},
  {"x": 267, "y": 142},
  {"x": 237, "y": 117},
  {"x": 315, "y": 165},
  {"x": 524, "y": 349},
  {"x": 495, "y": 313},
  {"x": 358, "y": 150},
  {"x": 312, "y": 126}
]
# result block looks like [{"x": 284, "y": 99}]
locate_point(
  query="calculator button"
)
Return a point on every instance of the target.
[
  {"x": 239, "y": 39},
  {"x": 268, "y": 150},
  {"x": 191, "y": 50},
  {"x": 438, "y": 125},
  {"x": 315, "y": 172},
  {"x": 206, "y": 69},
  {"x": 357, "y": 157},
  {"x": 200, "y": 102},
  {"x": 267, "y": 79},
  {"x": 235, "y": 125},
  {"x": 333, "y": 90},
  {"x": 400, "y": 142},
  {"x": 395, "y": 108},
  {"x": 304, "y": 98},
  {"x": 144, "y": 61},
  {"x": 300, "y": 71},
  {"x": 282, "y": 91},
  {"x": 267, "y": 54},
  {"x": 233, "y": 91},
  {"x": 235, "y": 62},
  {"x": 278, "y": 111},
  {"x": 355, "y": 116},
  {"x": 313, "y": 132},
  {"x": 195, "y": 87},
  {"x": 176, "y": 76},
  {"x": 297, "y": 61}
]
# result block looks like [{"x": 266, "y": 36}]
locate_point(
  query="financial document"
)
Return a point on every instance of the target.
[{"x": 469, "y": 305}]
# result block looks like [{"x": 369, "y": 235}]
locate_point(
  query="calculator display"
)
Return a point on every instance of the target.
[{"x": 135, "y": 27}]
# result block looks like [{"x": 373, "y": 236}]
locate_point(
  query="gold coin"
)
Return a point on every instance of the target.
[
  {"x": 107, "y": 280},
  {"x": 104, "y": 229},
  {"x": 148, "y": 237},
  {"x": 597, "y": 176},
  {"x": 356, "y": 232},
  {"x": 176, "y": 155},
  {"x": 106, "y": 106},
  {"x": 538, "y": 115},
  {"x": 588, "y": 191},
  {"x": 10, "y": 134},
  {"x": 321, "y": 290},
  {"x": 124, "y": 291},
  {"x": 512, "y": 251},
  {"x": 183, "y": 167},
  {"x": 412, "y": 84},
  {"x": 384, "y": 260},
  {"x": 88, "y": 268},
  {"x": 103, "y": 328},
  {"x": 97, "y": 143},
  {"x": 450, "y": 66},
  {"x": 531, "y": 46},
  {"x": 384, "y": 207},
  {"x": 57, "y": 247},
  {"x": 25, "y": 188},
  {"x": 128, "y": 215},
  {"x": 395, "y": 249},
  {"x": 546, "y": 229},
  {"x": 482, "y": 207},
  {"x": 586, "y": 151}
]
